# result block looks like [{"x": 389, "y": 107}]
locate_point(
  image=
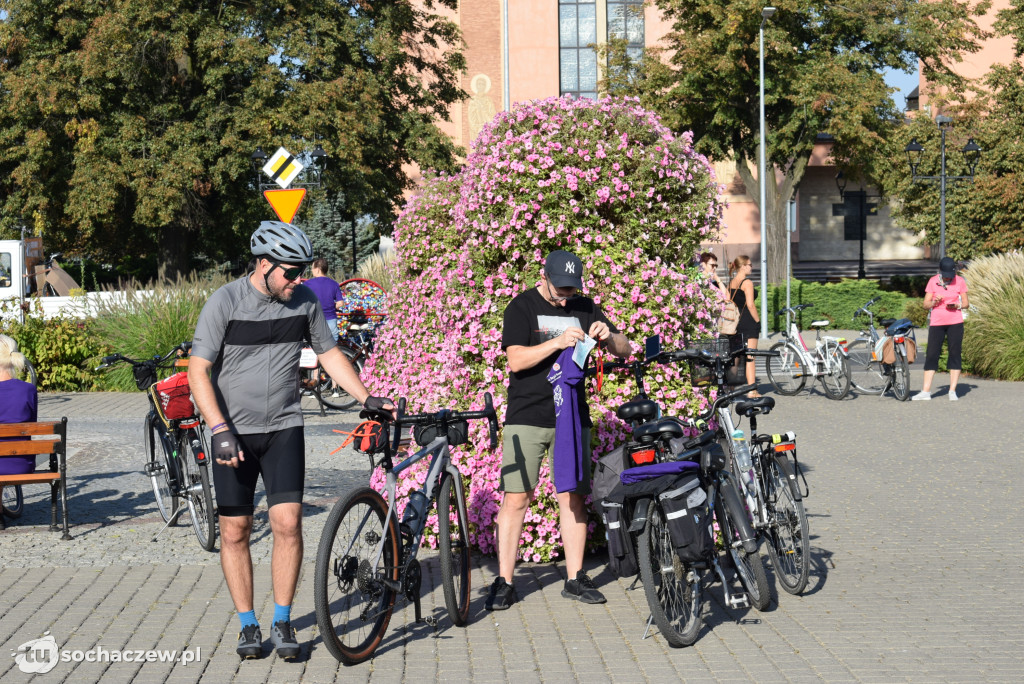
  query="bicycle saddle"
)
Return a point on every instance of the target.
[
  {"x": 648, "y": 432},
  {"x": 638, "y": 409},
  {"x": 886, "y": 322},
  {"x": 754, "y": 407},
  {"x": 899, "y": 327}
]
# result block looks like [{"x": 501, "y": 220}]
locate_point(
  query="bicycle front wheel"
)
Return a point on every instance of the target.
[
  {"x": 13, "y": 501},
  {"x": 197, "y": 490},
  {"x": 352, "y": 582},
  {"x": 786, "y": 371},
  {"x": 901, "y": 377},
  {"x": 749, "y": 568},
  {"x": 865, "y": 371},
  {"x": 836, "y": 379},
  {"x": 453, "y": 547},
  {"x": 671, "y": 587},
  {"x": 161, "y": 467},
  {"x": 788, "y": 536},
  {"x": 337, "y": 398}
]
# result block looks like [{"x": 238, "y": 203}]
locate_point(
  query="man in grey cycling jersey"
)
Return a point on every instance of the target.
[{"x": 244, "y": 377}]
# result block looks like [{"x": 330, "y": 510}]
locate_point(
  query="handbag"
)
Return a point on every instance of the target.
[{"x": 729, "y": 318}]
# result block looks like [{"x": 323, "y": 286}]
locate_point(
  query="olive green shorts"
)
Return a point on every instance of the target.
[{"x": 524, "y": 446}]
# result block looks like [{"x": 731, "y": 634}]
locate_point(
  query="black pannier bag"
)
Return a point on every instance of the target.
[
  {"x": 606, "y": 475},
  {"x": 621, "y": 549},
  {"x": 688, "y": 518},
  {"x": 458, "y": 433}
]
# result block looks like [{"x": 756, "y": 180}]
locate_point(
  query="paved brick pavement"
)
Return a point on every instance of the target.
[{"x": 917, "y": 569}]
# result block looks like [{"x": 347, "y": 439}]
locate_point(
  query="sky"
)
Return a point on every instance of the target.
[{"x": 904, "y": 82}]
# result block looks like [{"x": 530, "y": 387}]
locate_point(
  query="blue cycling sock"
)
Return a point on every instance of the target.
[
  {"x": 282, "y": 613},
  {"x": 248, "y": 618}
]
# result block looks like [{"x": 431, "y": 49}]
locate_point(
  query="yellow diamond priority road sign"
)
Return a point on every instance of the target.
[{"x": 282, "y": 167}]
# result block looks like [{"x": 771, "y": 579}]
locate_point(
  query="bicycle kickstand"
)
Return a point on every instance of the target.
[
  {"x": 171, "y": 520},
  {"x": 647, "y": 629}
]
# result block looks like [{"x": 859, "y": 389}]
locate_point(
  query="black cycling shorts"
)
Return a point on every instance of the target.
[{"x": 280, "y": 457}]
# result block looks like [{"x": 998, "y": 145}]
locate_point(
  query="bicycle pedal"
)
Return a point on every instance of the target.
[
  {"x": 430, "y": 620},
  {"x": 739, "y": 601}
]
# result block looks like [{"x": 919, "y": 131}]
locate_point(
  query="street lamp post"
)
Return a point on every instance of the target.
[
  {"x": 766, "y": 14},
  {"x": 971, "y": 153}
]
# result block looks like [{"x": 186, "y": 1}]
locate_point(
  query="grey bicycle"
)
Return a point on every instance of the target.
[
  {"x": 367, "y": 556},
  {"x": 879, "y": 362}
]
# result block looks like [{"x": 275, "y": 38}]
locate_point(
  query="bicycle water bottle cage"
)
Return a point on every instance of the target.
[
  {"x": 899, "y": 327},
  {"x": 648, "y": 432},
  {"x": 640, "y": 410},
  {"x": 754, "y": 407}
]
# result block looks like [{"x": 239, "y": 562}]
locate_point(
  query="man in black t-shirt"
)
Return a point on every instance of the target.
[{"x": 539, "y": 324}]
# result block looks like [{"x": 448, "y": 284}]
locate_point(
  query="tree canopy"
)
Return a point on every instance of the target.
[
  {"x": 823, "y": 75},
  {"x": 126, "y": 125}
]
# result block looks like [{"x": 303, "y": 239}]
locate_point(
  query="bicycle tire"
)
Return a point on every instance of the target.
[
  {"x": 158, "y": 464},
  {"x": 785, "y": 371},
  {"x": 453, "y": 548},
  {"x": 836, "y": 379},
  {"x": 788, "y": 534},
  {"x": 197, "y": 489},
  {"x": 866, "y": 373},
  {"x": 900, "y": 377},
  {"x": 353, "y": 606},
  {"x": 13, "y": 501},
  {"x": 344, "y": 401},
  {"x": 670, "y": 586},
  {"x": 733, "y": 522}
]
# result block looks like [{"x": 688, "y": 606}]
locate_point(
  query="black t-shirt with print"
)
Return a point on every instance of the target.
[{"x": 531, "y": 320}]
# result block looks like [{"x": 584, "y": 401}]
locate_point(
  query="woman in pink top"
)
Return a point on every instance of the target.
[{"x": 946, "y": 297}]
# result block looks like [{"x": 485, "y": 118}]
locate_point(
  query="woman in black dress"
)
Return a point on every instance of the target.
[{"x": 741, "y": 289}]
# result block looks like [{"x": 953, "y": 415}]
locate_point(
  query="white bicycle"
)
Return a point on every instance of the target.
[{"x": 796, "y": 362}]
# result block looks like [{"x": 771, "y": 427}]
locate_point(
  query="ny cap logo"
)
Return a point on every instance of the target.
[{"x": 570, "y": 267}]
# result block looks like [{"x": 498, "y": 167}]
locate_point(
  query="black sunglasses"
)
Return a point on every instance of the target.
[{"x": 290, "y": 273}]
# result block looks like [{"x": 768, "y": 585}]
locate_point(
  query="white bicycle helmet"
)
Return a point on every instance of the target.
[{"x": 281, "y": 242}]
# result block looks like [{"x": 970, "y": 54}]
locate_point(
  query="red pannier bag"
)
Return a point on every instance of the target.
[{"x": 174, "y": 397}]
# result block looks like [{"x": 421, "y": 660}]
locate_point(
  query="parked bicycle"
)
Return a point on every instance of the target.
[
  {"x": 767, "y": 479},
  {"x": 367, "y": 556},
  {"x": 880, "y": 362},
  {"x": 174, "y": 438},
  {"x": 356, "y": 343},
  {"x": 795, "y": 363}
]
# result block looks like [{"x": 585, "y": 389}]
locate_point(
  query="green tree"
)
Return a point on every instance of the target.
[
  {"x": 985, "y": 216},
  {"x": 126, "y": 125},
  {"x": 823, "y": 75},
  {"x": 331, "y": 234}
]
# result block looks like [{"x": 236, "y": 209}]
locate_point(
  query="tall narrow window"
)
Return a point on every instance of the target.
[
  {"x": 626, "y": 21},
  {"x": 577, "y": 29}
]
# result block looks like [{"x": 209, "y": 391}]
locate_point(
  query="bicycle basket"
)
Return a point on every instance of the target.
[
  {"x": 458, "y": 433},
  {"x": 173, "y": 398},
  {"x": 700, "y": 374},
  {"x": 145, "y": 376}
]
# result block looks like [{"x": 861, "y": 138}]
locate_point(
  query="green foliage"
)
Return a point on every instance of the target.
[
  {"x": 141, "y": 323},
  {"x": 60, "y": 349},
  {"x": 823, "y": 73},
  {"x": 126, "y": 125},
  {"x": 994, "y": 330},
  {"x": 835, "y": 302},
  {"x": 915, "y": 311}
]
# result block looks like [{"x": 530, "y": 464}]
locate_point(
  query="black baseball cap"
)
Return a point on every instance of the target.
[
  {"x": 564, "y": 269},
  {"x": 947, "y": 267}
]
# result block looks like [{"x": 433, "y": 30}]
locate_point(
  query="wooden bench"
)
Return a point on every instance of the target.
[{"x": 54, "y": 443}]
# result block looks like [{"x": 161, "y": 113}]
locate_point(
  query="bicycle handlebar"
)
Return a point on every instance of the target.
[
  {"x": 864, "y": 309},
  {"x": 794, "y": 309},
  {"x": 442, "y": 418},
  {"x": 107, "y": 361}
]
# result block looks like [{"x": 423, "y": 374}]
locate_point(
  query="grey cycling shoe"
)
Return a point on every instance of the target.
[
  {"x": 282, "y": 635},
  {"x": 250, "y": 642}
]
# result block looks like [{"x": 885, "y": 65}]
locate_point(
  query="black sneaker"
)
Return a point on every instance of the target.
[
  {"x": 250, "y": 642},
  {"x": 283, "y": 637},
  {"x": 502, "y": 595},
  {"x": 582, "y": 589}
]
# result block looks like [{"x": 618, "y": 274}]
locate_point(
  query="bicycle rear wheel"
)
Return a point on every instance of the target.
[
  {"x": 161, "y": 467},
  {"x": 900, "y": 377},
  {"x": 453, "y": 547},
  {"x": 351, "y": 591},
  {"x": 786, "y": 371},
  {"x": 197, "y": 489},
  {"x": 788, "y": 536},
  {"x": 344, "y": 401},
  {"x": 836, "y": 379},
  {"x": 13, "y": 501},
  {"x": 866, "y": 372},
  {"x": 671, "y": 586}
]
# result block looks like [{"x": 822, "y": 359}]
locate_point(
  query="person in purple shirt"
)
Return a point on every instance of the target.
[
  {"x": 539, "y": 325},
  {"x": 327, "y": 291},
  {"x": 18, "y": 401}
]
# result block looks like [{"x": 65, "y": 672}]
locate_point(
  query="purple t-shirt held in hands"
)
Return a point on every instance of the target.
[{"x": 567, "y": 452}]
